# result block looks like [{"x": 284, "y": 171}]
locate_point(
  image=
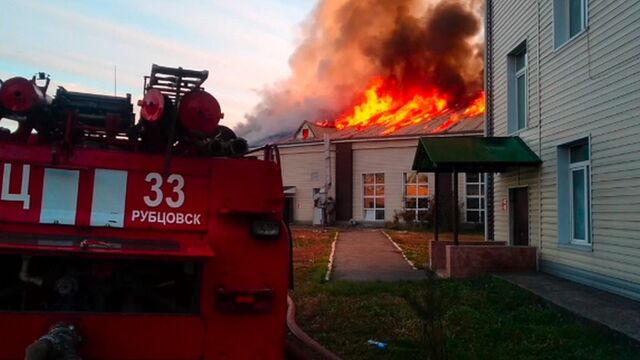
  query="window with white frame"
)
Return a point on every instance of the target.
[
  {"x": 569, "y": 20},
  {"x": 517, "y": 103},
  {"x": 373, "y": 196},
  {"x": 416, "y": 195},
  {"x": 574, "y": 193},
  {"x": 579, "y": 186},
  {"x": 474, "y": 197}
]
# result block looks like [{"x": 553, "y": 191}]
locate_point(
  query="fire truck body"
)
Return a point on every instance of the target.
[{"x": 148, "y": 256}]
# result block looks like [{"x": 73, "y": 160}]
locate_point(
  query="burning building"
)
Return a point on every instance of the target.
[
  {"x": 369, "y": 175},
  {"x": 362, "y": 60},
  {"x": 372, "y": 77}
]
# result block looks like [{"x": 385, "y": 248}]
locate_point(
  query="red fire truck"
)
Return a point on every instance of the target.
[{"x": 155, "y": 239}]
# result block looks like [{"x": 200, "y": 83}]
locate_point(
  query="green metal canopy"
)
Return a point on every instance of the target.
[{"x": 472, "y": 154}]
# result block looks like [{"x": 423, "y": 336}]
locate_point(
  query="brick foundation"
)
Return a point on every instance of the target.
[
  {"x": 465, "y": 261},
  {"x": 438, "y": 256}
]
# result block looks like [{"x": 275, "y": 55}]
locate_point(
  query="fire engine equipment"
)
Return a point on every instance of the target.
[
  {"x": 177, "y": 116},
  {"x": 265, "y": 229},
  {"x": 238, "y": 146},
  {"x": 24, "y": 273},
  {"x": 157, "y": 114},
  {"x": 199, "y": 113},
  {"x": 218, "y": 147},
  {"x": 175, "y": 82},
  {"x": 193, "y": 126},
  {"x": 26, "y": 102},
  {"x": 19, "y": 95},
  {"x": 95, "y": 111},
  {"x": 152, "y": 105}
]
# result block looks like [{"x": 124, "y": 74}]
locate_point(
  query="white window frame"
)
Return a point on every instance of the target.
[
  {"x": 374, "y": 197},
  {"x": 564, "y": 196},
  {"x": 562, "y": 22},
  {"x": 513, "y": 74},
  {"x": 417, "y": 197},
  {"x": 480, "y": 196},
  {"x": 573, "y": 167}
]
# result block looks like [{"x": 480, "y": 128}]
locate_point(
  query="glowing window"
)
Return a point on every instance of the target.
[
  {"x": 416, "y": 195},
  {"x": 373, "y": 196}
]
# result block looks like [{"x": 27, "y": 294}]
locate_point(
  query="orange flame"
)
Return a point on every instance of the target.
[
  {"x": 477, "y": 106},
  {"x": 475, "y": 109},
  {"x": 382, "y": 105}
]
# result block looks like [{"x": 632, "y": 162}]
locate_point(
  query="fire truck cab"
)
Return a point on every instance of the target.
[{"x": 144, "y": 251}]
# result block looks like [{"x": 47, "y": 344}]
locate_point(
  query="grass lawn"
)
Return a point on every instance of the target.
[
  {"x": 485, "y": 318},
  {"x": 415, "y": 244}
]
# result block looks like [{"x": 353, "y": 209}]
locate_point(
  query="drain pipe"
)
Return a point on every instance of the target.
[
  {"x": 539, "y": 252},
  {"x": 489, "y": 205},
  {"x": 302, "y": 336}
]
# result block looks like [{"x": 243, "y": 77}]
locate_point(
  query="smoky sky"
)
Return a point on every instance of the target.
[{"x": 419, "y": 44}]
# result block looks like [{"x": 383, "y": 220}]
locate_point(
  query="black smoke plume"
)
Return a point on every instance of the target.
[{"x": 423, "y": 44}]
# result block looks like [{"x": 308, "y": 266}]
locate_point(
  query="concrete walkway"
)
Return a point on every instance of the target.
[
  {"x": 368, "y": 255},
  {"x": 616, "y": 312}
]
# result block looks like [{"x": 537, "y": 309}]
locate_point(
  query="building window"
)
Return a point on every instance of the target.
[
  {"x": 517, "y": 89},
  {"x": 373, "y": 196},
  {"x": 416, "y": 195},
  {"x": 474, "y": 197},
  {"x": 569, "y": 20},
  {"x": 574, "y": 193},
  {"x": 579, "y": 187}
]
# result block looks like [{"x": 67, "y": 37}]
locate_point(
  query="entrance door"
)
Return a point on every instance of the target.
[
  {"x": 519, "y": 214},
  {"x": 288, "y": 209}
]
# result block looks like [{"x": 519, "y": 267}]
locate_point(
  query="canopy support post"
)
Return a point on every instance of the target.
[
  {"x": 436, "y": 223},
  {"x": 455, "y": 207}
]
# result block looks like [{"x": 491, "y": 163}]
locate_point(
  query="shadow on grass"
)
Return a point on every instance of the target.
[{"x": 484, "y": 318}]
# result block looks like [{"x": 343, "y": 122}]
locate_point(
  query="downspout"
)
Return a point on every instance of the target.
[
  {"x": 327, "y": 164},
  {"x": 327, "y": 179},
  {"x": 488, "y": 119},
  {"x": 539, "y": 138}
]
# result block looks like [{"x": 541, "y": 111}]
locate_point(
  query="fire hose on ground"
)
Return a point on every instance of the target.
[
  {"x": 61, "y": 340},
  {"x": 302, "y": 336}
]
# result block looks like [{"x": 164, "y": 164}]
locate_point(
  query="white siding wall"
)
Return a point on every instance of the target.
[
  {"x": 589, "y": 87},
  {"x": 393, "y": 158},
  {"x": 298, "y": 165}
]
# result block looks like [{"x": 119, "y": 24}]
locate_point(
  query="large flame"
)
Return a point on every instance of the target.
[
  {"x": 382, "y": 104},
  {"x": 476, "y": 108}
]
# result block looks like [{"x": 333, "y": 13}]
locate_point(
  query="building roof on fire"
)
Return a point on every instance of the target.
[{"x": 446, "y": 124}]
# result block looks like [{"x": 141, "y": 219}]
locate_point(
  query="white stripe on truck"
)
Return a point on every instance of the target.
[
  {"x": 59, "y": 197},
  {"x": 109, "y": 196}
]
